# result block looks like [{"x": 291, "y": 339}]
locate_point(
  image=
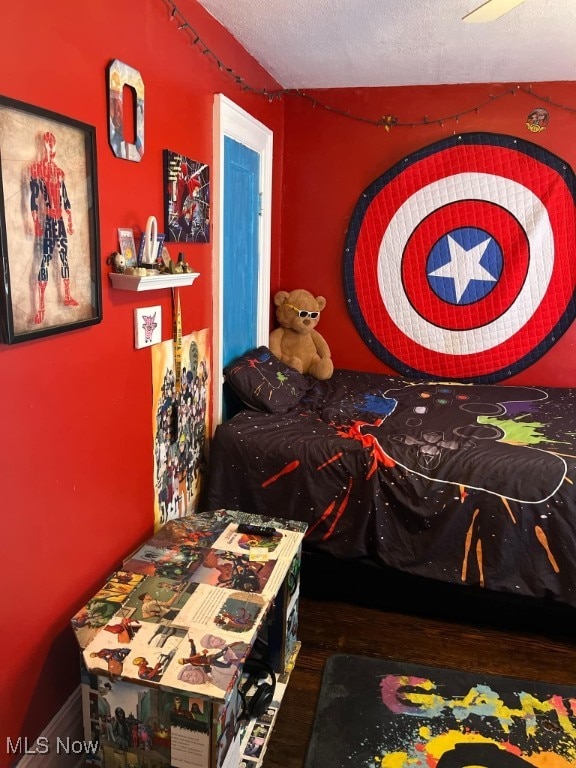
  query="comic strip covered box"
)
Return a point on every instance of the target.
[{"x": 164, "y": 641}]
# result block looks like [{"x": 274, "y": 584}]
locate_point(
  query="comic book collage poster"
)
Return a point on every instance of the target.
[{"x": 181, "y": 407}]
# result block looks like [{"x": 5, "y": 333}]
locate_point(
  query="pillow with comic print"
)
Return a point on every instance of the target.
[{"x": 264, "y": 383}]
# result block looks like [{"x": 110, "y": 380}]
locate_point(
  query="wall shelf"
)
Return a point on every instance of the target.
[{"x": 151, "y": 282}]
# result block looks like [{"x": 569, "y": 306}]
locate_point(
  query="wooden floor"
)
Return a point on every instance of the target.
[{"x": 327, "y": 627}]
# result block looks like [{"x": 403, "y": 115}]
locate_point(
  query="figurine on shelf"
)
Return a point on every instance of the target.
[
  {"x": 182, "y": 266},
  {"x": 164, "y": 262},
  {"x": 118, "y": 262}
]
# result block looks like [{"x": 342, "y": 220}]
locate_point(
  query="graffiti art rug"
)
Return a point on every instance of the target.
[{"x": 376, "y": 713}]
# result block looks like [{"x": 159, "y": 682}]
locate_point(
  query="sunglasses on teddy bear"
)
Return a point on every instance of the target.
[{"x": 303, "y": 312}]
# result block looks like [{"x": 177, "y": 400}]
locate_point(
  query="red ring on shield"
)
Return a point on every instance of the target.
[
  {"x": 498, "y": 224},
  {"x": 394, "y": 226}
]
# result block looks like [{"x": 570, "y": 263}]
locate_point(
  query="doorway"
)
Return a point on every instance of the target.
[{"x": 242, "y": 235}]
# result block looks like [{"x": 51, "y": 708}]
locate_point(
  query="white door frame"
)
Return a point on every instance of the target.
[{"x": 232, "y": 121}]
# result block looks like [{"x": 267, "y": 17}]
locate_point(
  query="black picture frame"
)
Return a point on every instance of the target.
[{"x": 49, "y": 223}]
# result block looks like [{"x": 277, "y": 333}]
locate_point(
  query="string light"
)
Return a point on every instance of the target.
[{"x": 388, "y": 121}]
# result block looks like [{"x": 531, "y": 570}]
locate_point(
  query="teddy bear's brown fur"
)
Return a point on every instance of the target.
[{"x": 296, "y": 342}]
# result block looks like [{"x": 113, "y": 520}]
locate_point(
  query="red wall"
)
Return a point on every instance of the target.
[
  {"x": 330, "y": 159},
  {"x": 76, "y": 428}
]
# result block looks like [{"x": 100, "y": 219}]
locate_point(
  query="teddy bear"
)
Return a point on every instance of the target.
[
  {"x": 296, "y": 342},
  {"x": 117, "y": 261}
]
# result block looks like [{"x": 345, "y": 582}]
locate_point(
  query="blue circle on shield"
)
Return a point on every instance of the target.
[{"x": 464, "y": 265}]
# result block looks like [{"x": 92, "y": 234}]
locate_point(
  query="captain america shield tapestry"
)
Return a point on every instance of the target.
[{"x": 460, "y": 261}]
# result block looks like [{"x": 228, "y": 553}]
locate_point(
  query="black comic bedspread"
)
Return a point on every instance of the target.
[{"x": 469, "y": 484}]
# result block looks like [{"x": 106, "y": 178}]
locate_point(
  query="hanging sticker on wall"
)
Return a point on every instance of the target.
[
  {"x": 538, "y": 120},
  {"x": 147, "y": 326},
  {"x": 460, "y": 260}
]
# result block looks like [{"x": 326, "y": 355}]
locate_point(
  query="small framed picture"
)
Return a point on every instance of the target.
[
  {"x": 127, "y": 245},
  {"x": 147, "y": 326},
  {"x": 158, "y": 254}
]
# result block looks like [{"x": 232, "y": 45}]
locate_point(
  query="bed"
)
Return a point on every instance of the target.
[{"x": 463, "y": 484}]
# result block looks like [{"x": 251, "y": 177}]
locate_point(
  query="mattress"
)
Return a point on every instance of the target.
[{"x": 463, "y": 483}]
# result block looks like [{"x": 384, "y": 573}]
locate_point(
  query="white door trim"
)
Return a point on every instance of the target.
[{"x": 232, "y": 121}]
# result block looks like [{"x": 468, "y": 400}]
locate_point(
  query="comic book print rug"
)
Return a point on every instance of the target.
[{"x": 376, "y": 713}]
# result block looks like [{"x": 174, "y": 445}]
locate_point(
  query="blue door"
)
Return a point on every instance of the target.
[{"x": 240, "y": 253}]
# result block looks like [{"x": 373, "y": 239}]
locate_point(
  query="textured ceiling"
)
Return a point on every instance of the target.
[{"x": 347, "y": 43}]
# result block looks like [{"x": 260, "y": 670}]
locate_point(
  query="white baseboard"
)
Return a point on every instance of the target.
[{"x": 54, "y": 748}]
